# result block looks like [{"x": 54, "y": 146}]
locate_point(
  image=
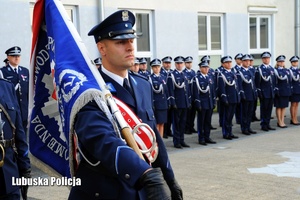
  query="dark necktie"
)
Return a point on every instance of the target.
[
  {"x": 127, "y": 86},
  {"x": 16, "y": 71}
]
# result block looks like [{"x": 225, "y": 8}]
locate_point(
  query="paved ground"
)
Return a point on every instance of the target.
[{"x": 264, "y": 166}]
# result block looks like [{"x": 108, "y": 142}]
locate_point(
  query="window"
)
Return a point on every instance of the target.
[
  {"x": 71, "y": 11},
  {"x": 143, "y": 27},
  {"x": 210, "y": 27},
  {"x": 142, "y": 31},
  {"x": 259, "y": 27}
]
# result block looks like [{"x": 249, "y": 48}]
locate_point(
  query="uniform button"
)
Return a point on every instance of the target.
[
  {"x": 127, "y": 176},
  {"x": 97, "y": 194}
]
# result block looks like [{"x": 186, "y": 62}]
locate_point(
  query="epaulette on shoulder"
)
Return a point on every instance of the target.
[{"x": 140, "y": 76}]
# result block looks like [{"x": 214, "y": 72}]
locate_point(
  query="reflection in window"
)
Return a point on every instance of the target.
[
  {"x": 142, "y": 31},
  {"x": 215, "y": 22},
  {"x": 202, "y": 32},
  {"x": 264, "y": 27},
  {"x": 253, "y": 31}
]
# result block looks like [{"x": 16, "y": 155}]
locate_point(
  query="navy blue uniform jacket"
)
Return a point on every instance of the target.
[
  {"x": 120, "y": 167},
  {"x": 179, "y": 96},
  {"x": 228, "y": 86},
  {"x": 160, "y": 92},
  {"x": 283, "y": 82},
  {"x": 248, "y": 89},
  {"x": 295, "y": 74},
  {"x": 14, "y": 163},
  {"x": 23, "y": 78},
  {"x": 204, "y": 99},
  {"x": 144, "y": 110},
  {"x": 265, "y": 81}
]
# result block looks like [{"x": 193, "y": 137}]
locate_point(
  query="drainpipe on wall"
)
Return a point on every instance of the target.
[
  {"x": 297, "y": 27},
  {"x": 101, "y": 10}
]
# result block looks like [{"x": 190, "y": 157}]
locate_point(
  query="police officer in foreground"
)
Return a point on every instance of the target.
[
  {"x": 265, "y": 83},
  {"x": 14, "y": 160},
  {"x": 19, "y": 76},
  {"x": 121, "y": 174}
]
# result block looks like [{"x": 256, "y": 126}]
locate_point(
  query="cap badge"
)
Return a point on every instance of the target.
[{"x": 125, "y": 16}]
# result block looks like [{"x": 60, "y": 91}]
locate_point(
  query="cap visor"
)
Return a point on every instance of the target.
[{"x": 124, "y": 37}]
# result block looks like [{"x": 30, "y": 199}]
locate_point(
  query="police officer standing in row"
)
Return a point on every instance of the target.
[
  {"x": 121, "y": 174},
  {"x": 191, "y": 113},
  {"x": 211, "y": 73},
  {"x": 283, "y": 90},
  {"x": 253, "y": 70},
  {"x": 165, "y": 70},
  {"x": 19, "y": 76},
  {"x": 265, "y": 84},
  {"x": 143, "y": 68},
  {"x": 248, "y": 95},
  {"x": 135, "y": 68},
  {"x": 178, "y": 86},
  {"x": 14, "y": 160},
  {"x": 295, "y": 97},
  {"x": 236, "y": 69},
  {"x": 204, "y": 100},
  {"x": 228, "y": 88},
  {"x": 166, "y": 66},
  {"x": 161, "y": 101}
]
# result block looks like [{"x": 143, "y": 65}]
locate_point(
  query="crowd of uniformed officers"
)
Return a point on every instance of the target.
[
  {"x": 180, "y": 96},
  {"x": 183, "y": 94}
]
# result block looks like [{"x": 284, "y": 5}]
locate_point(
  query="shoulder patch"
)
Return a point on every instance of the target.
[{"x": 111, "y": 87}]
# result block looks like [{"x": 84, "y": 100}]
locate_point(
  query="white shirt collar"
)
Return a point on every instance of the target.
[
  {"x": 115, "y": 77},
  {"x": 13, "y": 68},
  {"x": 245, "y": 68},
  {"x": 204, "y": 75}
]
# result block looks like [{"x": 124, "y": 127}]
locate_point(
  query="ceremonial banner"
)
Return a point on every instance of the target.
[{"x": 63, "y": 80}]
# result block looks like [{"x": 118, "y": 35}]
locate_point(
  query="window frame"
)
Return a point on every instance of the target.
[
  {"x": 263, "y": 11},
  {"x": 258, "y": 48},
  {"x": 209, "y": 51},
  {"x": 146, "y": 54}
]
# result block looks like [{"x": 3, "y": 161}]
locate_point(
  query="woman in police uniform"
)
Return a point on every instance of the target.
[
  {"x": 160, "y": 95},
  {"x": 282, "y": 90},
  {"x": 295, "y": 97}
]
